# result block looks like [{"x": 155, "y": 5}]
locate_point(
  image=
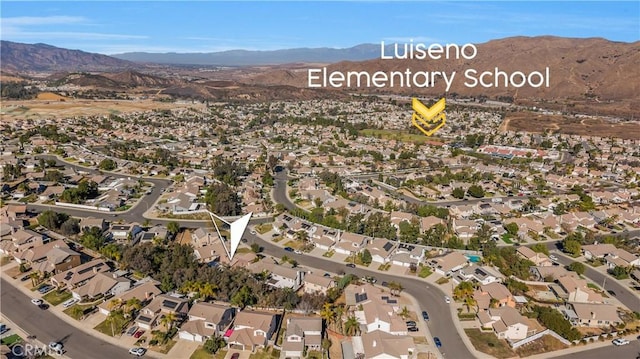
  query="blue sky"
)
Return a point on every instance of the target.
[{"x": 170, "y": 26}]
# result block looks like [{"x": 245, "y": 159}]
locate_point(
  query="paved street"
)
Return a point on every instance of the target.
[{"x": 47, "y": 327}]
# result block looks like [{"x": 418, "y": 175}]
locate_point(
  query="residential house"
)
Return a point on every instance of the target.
[
  {"x": 376, "y": 309},
  {"x": 380, "y": 249},
  {"x": 87, "y": 223},
  {"x": 278, "y": 276},
  {"x": 592, "y": 315},
  {"x": 123, "y": 232},
  {"x": 538, "y": 259},
  {"x": 548, "y": 273},
  {"x": 381, "y": 345},
  {"x": 252, "y": 330},
  {"x": 614, "y": 257},
  {"x": 479, "y": 274},
  {"x": 103, "y": 284},
  {"x": 426, "y": 223},
  {"x": 79, "y": 275},
  {"x": 302, "y": 335},
  {"x": 576, "y": 290},
  {"x": 507, "y": 323},
  {"x": 160, "y": 305},
  {"x": 493, "y": 295},
  {"x": 407, "y": 255},
  {"x": 207, "y": 320},
  {"x": 52, "y": 257},
  {"x": 351, "y": 243},
  {"x": 144, "y": 292},
  {"x": 314, "y": 284},
  {"x": 447, "y": 264}
]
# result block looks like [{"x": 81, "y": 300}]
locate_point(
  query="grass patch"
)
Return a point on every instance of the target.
[
  {"x": 488, "y": 343},
  {"x": 28, "y": 199},
  {"x": 106, "y": 328},
  {"x": 123, "y": 208},
  {"x": 329, "y": 254},
  {"x": 385, "y": 266},
  {"x": 294, "y": 244},
  {"x": 164, "y": 349},
  {"x": 595, "y": 263},
  {"x": 266, "y": 354},
  {"x": 443, "y": 280},
  {"x": 424, "y": 272},
  {"x": 5, "y": 260},
  {"x": 263, "y": 228},
  {"x": 54, "y": 297},
  {"x": 75, "y": 314},
  {"x": 593, "y": 286},
  {"x": 507, "y": 239},
  {"x": 242, "y": 250},
  {"x": 11, "y": 340},
  {"x": 200, "y": 353},
  {"x": 543, "y": 345},
  {"x": 277, "y": 239}
]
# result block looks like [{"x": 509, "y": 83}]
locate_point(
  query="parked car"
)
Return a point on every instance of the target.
[
  {"x": 437, "y": 342},
  {"x": 425, "y": 315},
  {"x": 620, "y": 341},
  {"x": 288, "y": 249},
  {"x": 137, "y": 351},
  {"x": 351, "y": 265},
  {"x": 553, "y": 258},
  {"x": 411, "y": 323},
  {"x": 43, "y": 306},
  {"x": 45, "y": 289},
  {"x": 25, "y": 278},
  {"x": 56, "y": 346},
  {"x": 138, "y": 334},
  {"x": 327, "y": 275},
  {"x": 612, "y": 293},
  {"x": 413, "y": 329},
  {"x": 384, "y": 284},
  {"x": 132, "y": 330},
  {"x": 275, "y": 235},
  {"x": 36, "y": 301},
  {"x": 297, "y": 251},
  {"x": 3, "y": 328},
  {"x": 447, "y": 299},
  {"x": 69, "y": 302}
]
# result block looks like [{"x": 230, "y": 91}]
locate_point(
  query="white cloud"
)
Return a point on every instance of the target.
[
  {"x": 41, "y": 20},
  {"x": 38, "y": 36}
]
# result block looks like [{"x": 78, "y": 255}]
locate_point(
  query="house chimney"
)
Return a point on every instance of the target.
[
  {"x": 593, "y": 315},
  {"x": 374, "y": 344},
  {"x": 95, "y": 269}
]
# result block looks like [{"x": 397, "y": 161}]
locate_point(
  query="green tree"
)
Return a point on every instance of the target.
[
  {"x": 173, "y": 227},
  {"x": 213, "y": 344},
  {"x": 52, "y": 220},
  {"x": 619, "y": 272},
  {"x": 244, "y": 297},
  {"x": 476, "y": 191},
  {"x": 365, "y": 257},
  {"x": 107, "y": 164},
  {"x": 572, "y": 247},
  {"x": 576, "y": 267},
  {"x": 540, "y": 248},
  {"x": 512, "y": 228},
  {"x": 458, "y": 193},
  {"x": 351, "y": 326}
]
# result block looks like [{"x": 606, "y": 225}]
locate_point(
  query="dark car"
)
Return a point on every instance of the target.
[
  {"x": 288, "y": 249},
  {"x": 384, "y": 284},
  {"x": 25, "y": 278},
  {"x": 43, "y": 306},
  {"x": 612, "y": 293},
  {"x": 411, "y": 323},
  {"x": 327, "y": 274},
  {"x": 351, "y": 265},
  {"x": 413, "y": 329},
  {"x": 425, "y": 315},
  {"x": 437, "y": 341}
]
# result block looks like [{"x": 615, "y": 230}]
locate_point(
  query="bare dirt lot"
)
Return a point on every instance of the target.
[
  {"x": 530, "y": 122},
  {"x": 59, "y": 107}
]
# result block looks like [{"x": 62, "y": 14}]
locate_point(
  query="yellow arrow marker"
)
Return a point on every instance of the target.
[{"x": 432, "y": 118}]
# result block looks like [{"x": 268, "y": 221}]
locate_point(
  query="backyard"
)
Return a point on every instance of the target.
[
  {"x": 55, "y": 297},
  {"x": 488, "y": 343}
]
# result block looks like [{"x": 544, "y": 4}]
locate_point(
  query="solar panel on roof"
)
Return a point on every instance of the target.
[{"x": 169, "y": 304}]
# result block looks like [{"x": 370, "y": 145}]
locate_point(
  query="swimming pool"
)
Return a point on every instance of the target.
[{"x": 473, "y": 258}]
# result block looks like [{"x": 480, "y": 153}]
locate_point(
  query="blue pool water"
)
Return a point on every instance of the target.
[{"x": 473, "y": 258}]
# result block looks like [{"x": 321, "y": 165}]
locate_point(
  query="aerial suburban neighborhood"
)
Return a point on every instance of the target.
[{"x": 214, "y": 208}]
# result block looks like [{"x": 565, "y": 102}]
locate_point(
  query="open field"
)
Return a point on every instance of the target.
[
  {"x": 51, "y": 106},
  {"x": 532, "y": 122}
]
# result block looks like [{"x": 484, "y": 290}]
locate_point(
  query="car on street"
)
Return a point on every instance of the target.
[
  {"x": 138, "y": 334},
  {"x": 3, "y": 328},
  {"x": 437, "y": 342},
  {"x": 413, "y": 329},
  {"x": 297, "y": 251},
  {"x": 425, "y": 315},
  {"x": 620, "y": 341},
  {"x": 553, "y": 258},
  {"x": 288, "y": 249},
  {"x": 132, "y": 330},
  {"x": 137, "y": 351},
  {"x": 253, "y": 232},
  {"x": 275, "y": 235},
  {"x": 351, "y": 265},
  {"x": 447, "y": 299},
  {"x": 612, "y": 293},
  {"x": 43, "y": 306},
  {"x": 411, "y": 323},
  {"x": 327, "y": 275},
  {"x": 36, "y": 301},
  {"x": 370, "y": 279},
  {"x": 56, "y": 346}
]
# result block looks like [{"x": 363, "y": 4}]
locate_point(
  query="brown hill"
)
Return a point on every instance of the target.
[
  {"x": 580, "y": 69},
  {"x": 20, "y": 57},
  {"x": 118, "y": 80}
]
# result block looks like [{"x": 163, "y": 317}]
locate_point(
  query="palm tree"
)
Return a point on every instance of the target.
[
  {"x": 77, "y": 312},
  {"x": 207, "y": 290},
  {"x": 327, "y": 314},
  {"x": 113, "y": 317},
  {"x": 404, "y": 313},
  {"x": 351, "y": 326},
  {"x": 469, "y": 302},
  {"x": 168, "y": 319},
  {"x": 339, "y": 311},
  {"x": 34, "y": 278},
  {"x": 114, "y": 304},
  {"x": 132, "y": 305},
  {"x": 395, "y": 288}
]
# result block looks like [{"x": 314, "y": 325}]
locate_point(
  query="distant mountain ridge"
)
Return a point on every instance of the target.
[
  {"x": 19, "y": 57},
  {"x": 253, "y": 58}
]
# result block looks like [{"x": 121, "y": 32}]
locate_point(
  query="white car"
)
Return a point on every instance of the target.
[
  {"x": 36, "y": 301},
  {"x": 56, "y": 346},
  {"x": 69, "y": 302},
  {"x": 447, "y": 299},
  {"x": 137, "y": 351},
  {"x": 620, "y": 341},
  {"x": 553, "y": 258}
]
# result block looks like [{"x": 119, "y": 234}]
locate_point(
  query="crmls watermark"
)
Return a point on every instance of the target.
[{"x": 33, "y": 351}]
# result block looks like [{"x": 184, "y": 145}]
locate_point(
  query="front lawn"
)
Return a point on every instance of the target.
[
  {"x": 5, "y": 260},
  {"x": 384, "y": 266},
  {"x": 543, "y": 345},
  {"x": 164, "y": 349},
  {"x": 507, "y": 238},
  {"x": 329, "y": 254},
  {"x": 424, "y": 272},
  {"x": 11, "y": 340},
  {"x": 55, "y": 297},
  {"x": 263, "y": 228},
  {"x": 75, "y": 313},
  {"x": 106, "y": 328},
  {"x": 488, "y": 343},
  {"x": 265, "y": 354},
  {"x": 443, "y": 280}
]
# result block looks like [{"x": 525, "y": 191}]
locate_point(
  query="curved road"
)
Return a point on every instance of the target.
[{"x": 47, "y": 327}]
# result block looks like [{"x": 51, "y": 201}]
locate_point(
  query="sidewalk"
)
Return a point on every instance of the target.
[{"x": 15, "y": 329}]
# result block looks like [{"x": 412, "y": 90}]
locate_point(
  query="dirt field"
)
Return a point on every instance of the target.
[
  {"x": 55, "y": 106},
  {"x": 529, "y": 122}
]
